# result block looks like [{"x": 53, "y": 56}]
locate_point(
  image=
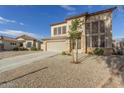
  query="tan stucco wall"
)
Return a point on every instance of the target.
[
  {"x": 33, "y": 43},
  {"x": 38, "y": 45},
  {"x": 107, "y": 17}
]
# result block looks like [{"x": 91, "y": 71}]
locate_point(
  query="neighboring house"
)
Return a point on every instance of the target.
[
  {"x": 118, "y": 45},
  {"x": 7, "y": 43},
  {"x": 28, "y": 42},
  {"x": 96, "y": 31}
]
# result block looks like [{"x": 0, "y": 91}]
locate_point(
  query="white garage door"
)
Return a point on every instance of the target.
[{"x": 56, "y": 46}]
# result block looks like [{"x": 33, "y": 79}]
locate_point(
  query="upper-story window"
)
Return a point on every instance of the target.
[
  {"x": 64, "y": 30},
  {"x": 102, "y": 26},
  {"x": 95, "y": 27},
  {"x": 59, "y": 30},
  {"x": 87, "y": 28},
  {"x": 55, "y": 31}
]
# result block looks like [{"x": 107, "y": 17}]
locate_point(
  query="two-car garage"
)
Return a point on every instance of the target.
[{"x": 56, "y": 46}]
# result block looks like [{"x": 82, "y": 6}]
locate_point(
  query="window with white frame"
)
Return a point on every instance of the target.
[
  {"x": 55, "y": 31},
  {"x": 59, "y": 30},
  {"x": 29, "y": 44},
  {"x": 64, "y": 30}
]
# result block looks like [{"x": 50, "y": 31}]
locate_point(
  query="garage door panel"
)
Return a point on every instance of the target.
[{"x": 56, "y": 46}]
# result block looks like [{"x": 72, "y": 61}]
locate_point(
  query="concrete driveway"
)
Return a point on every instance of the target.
[{"x": 14, "y": 62}]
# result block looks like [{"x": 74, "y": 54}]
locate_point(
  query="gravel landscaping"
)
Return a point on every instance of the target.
[
  {"x": 57, "y": 71},
  {"x": 115, "y": 63},
  {"x": 6, "y": 54}
]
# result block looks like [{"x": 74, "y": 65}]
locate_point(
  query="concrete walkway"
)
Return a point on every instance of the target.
[{"x": 14, "y": 62}]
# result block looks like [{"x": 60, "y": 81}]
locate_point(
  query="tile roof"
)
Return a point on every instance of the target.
[
  {"x": 26, "y": 37},
  {"x": 57, "y": 23},
  {"x": 4, "y": 38}
]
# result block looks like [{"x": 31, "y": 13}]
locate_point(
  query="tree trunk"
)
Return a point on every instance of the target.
[{"x": 76, "y": 51}]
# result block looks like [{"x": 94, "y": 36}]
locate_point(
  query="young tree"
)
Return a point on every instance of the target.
[{"x": 74, "y": 36}]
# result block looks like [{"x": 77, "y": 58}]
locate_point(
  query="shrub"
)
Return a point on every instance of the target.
[
  {"x": 16, "y": 49},
  {"x": 98, "y": 51},
  {"x": 34, "y": 49},
  {"x": 63, "y": 53},
  {"x": 23, "y": 49},
  {"x": 66, "y": 53},
  {"x": 90, "y": 53},
  {"x": 20, "y": 49}
]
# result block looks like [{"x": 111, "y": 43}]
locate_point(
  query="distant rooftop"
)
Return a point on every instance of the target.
[
  {"x": 26, "y": 37},
  {"x": 5, "y": 38}
]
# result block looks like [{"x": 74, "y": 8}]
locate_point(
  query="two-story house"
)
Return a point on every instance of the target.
[{"x": 96, "y": 31}]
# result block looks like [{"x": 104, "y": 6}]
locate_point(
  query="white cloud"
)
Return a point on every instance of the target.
[
  {"x": 15, "y": 33},
  {"x": 67, "y": 7},
  {"x": 4, "y": 20},
  {"x": 21, "y": 23}
]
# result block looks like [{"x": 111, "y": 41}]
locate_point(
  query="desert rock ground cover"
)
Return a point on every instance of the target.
[{"x": 57, "y": 71}]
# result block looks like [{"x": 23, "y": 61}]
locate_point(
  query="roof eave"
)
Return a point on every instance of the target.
[
  {"x": 103, "y": 11},
  {"x": 57, "y": 23}
]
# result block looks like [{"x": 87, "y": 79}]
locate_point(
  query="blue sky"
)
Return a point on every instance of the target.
[{"x": 36, "y": 20}]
